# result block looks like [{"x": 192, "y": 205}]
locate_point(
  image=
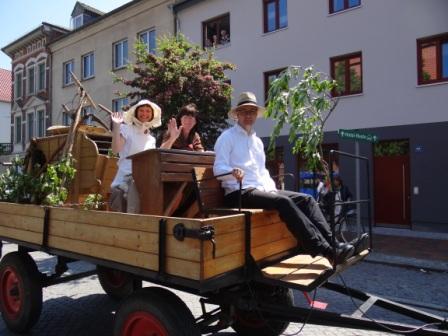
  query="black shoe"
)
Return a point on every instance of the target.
[
  {"x": 361, "y": 243},
  {"x": 343, "y": 252}
]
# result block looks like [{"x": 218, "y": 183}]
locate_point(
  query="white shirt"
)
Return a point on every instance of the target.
[
  {"x": 235, "y": 148},
  {"x": 135, "y": 141}
]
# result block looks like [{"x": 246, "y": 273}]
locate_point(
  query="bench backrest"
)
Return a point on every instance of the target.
[{"x": 209, "y": 193}]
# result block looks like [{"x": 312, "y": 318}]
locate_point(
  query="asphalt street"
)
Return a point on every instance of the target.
[{"x": 81, "y": 307}]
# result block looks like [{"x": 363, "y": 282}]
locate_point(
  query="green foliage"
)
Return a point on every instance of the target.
[
  {"x": 49, "y": 188},
  {"x": 391, "y": 148},
  {"x": 181, "y": 73},
  {"x": 301, "y": 99},
  {"x": 93, "y": 202}
]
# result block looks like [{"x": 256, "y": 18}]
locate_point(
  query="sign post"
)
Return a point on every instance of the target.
[{"x": 357, "y": 136}]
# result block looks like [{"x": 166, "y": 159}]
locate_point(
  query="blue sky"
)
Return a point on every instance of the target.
[{"x": 17, "y": 17}]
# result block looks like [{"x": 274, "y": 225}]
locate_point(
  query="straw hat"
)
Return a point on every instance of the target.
[
  {"x": 246, "y": 99},
  {"x": 157, "y": 114}
]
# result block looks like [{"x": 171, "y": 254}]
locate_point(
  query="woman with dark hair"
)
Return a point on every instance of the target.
[{"x": 185, "y": 136}]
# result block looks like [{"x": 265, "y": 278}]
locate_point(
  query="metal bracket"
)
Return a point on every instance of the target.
[{"x": 204, "y": 233}]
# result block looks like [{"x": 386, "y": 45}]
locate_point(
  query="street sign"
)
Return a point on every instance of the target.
[{"x": 357, "y": 136}]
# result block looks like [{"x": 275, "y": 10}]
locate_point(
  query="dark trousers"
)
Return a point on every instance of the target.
[{"x": 300, "y": 212}]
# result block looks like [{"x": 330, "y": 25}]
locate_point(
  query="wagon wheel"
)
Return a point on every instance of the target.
[
  {"x": 156, "y": 312},
  {"x": 248, "y": 323},
  {"x": 20, "y": 291},
  {"x": 117, "y": 284}
]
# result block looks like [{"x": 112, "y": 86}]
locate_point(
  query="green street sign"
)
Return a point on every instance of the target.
[{"x": 357, "y": 136}]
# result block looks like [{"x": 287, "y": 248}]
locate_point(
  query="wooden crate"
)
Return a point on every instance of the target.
[{"x": 134, "y": 239}]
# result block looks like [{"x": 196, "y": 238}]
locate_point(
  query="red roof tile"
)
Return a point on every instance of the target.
[{"x": 5, "y": 85}]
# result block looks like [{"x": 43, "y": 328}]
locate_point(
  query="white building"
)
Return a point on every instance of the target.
[
  {"x": 394, "y": 55},
  {"x": 5, "y": 110}
]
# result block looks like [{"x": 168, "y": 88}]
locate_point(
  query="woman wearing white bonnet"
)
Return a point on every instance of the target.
[{"x": 131, "y": 134}]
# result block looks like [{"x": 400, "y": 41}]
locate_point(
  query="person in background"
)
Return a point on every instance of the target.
[
  {"x": 224, "y": 37},
  {"x": 184, "y": 136},
  {"x": 239, "y": 151},
  {"x": 131, "y": 133}
]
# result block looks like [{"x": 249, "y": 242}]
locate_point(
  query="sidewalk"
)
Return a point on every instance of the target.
[{"x": 427, "y": 250}]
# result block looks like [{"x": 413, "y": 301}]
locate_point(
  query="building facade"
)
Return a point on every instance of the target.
[
  {"x": 31, "y": 84},
  {"x": 5, "y": 111},
  {"x": 390, "y": 60},
  {"x": 101, "y": 48}
]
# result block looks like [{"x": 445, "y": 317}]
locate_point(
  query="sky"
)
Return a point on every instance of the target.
[{"x": 18, "y": 17}]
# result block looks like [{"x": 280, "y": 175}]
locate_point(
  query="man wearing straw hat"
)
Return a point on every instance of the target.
[{"x": 240, "y": 151}]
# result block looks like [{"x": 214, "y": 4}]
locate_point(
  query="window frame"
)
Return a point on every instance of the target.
[
  {"x": 277, "y": 16},
  {"x": 346, "y": 6},
  {"x": 217, "y": 19},
  {"x": 148, "y": 46},
  {"x": 40, "y": 123},
  {"x": 33, "y": 125},
  {"x": 124, "y": 58},
  {"x": 18, "y": 84},
  {"x": 31, "y": 89},
  {"x": 44, "y": 84},
  {"x": 266, "y": 76},
  {"x": 66, "y": 75},
  {"x": 439, "y": 40},
  {"x": 18, "y": 129},
  {"x": 346, "y": 58},
  {"x": 90, "y": 55},
  {"x": 118, "y": 103}
]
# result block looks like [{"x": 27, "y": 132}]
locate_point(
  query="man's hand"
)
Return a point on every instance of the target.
[{"x": 238, "y": 174}]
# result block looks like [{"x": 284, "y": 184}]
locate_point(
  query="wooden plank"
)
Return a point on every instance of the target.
[
  {"x": 307, "y": 275},
  {"x": 147, "y": 261},
  {"x": 267, "y": 250},
  {"x": 176, "y": 177},
  {"x": 23, "y": 222},
  {"x": 147, "y": 223},
  {"x": 27, "y": 236},
  {"x": 170, "y": 167},
  {"x": 290, "y": 265},
  {"x": 188, "y": 249},
  {"x": 187, "y": 158},
  {"x": 24, "y": 209}
]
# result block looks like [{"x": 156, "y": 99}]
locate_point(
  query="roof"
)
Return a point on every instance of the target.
[
  {"x": 86, "y": 8},
  {"x": 182, "y": 4},
  {"x": 5, "y": 85},
  {"x": 43, "y": 28}
]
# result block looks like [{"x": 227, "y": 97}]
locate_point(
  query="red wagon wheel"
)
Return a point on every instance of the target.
[
  {"x": 20, "y": 291},
  {"x": 154, "y": 311},
  {"x": 117, "y": 284}
]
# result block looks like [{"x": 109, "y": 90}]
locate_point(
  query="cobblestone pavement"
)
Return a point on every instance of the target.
[{"x": 81, "y": 308}]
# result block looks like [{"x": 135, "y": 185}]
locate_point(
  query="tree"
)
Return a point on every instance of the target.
[
  {"x": 181, "y": 73},
  {"x": 301, "y": 98}
]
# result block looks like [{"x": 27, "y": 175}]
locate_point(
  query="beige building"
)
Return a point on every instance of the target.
[{"x": 100, "y": 46}]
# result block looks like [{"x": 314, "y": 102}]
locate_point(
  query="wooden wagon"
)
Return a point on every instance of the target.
[{"x": 245, "y": 261}]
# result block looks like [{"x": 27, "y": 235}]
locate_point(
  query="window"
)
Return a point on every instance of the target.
[
  {"x": 77, "y": 21},
  {"x": 340, "y": 5},
  {"x": 117, "y": 104},
  {"x": 120, "y": 54},
  {"x": 30, "y": 125},
  {"x": 433, "y": 59},
  {"x": 66, "y": 119},
  {"x": 347, "y": 71},
  {"x": 216, "y": 32},
  {"x": 148, "y": 37},
  {"x": 275, "y": 15},
  {"x": 68, "y": 67},
  {"x": 86, "y": 111},
  {"x": 41, "y": 77},
  {"x": 88, "y": 66},
  {"x": 41, "y": 123},
  {"x": 268, "y": 78},
  {"x": 18, "y": 85},
  {"x": 30, "y": 79},
  {"x": 18, "y": 129}
]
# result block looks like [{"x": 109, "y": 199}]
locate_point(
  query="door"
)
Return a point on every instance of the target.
[{"x": 392, "y": 182}]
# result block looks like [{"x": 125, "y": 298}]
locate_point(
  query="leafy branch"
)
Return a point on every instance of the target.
[{"x": 301, "y": 99}]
